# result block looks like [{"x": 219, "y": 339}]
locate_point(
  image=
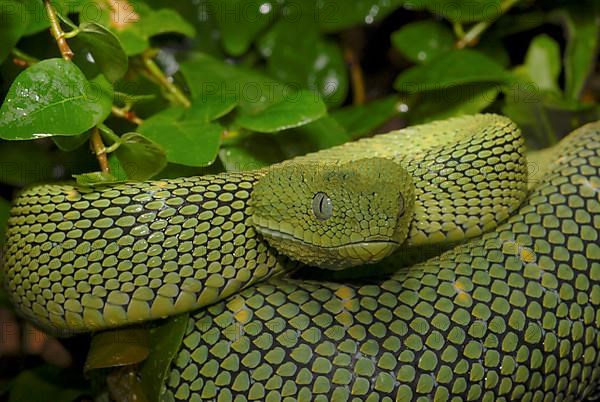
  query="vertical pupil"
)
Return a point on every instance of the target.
[{"x": 322, "y": 206}]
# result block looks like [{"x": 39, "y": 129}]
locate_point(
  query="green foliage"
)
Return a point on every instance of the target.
[
  {"x": 53, "y": 97},
  {"x": 190, "y": 87}
]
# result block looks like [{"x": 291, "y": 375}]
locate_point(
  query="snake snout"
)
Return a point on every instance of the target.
[{"x": 367, "y": 252}]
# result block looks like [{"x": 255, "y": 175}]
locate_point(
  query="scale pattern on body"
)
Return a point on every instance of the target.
[
  {"x": 80, "y": 259},
  {"x": 514, "y": 315}
]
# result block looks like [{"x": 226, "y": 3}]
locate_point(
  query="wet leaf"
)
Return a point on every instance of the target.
[
  {"x": 313, "y": 62},
  {"x": 422, "y": 41},
  {"x": 296, "y": 110},
  {"x": 115, "y": 348},
  {"x": 53, "y": 97},
  {"x": 165, "y": 340},
  {"x": 451, "y": 69},
  {"x": 362, "y": 120},
  {"x": 105, "y": 48},
  {"x": 140, "y": 157},
  {"x": 187, "y": 141},
  {"x": 13, "y": 22},
  {"x": 240, "y": 21},
  {"x": 336, "y": 15}
]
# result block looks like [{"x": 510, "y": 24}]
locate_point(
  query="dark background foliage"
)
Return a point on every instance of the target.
[{"x": 149, "y": 89}]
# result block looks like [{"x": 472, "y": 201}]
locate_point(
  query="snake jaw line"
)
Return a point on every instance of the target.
[{"x": 368, "y": 251}]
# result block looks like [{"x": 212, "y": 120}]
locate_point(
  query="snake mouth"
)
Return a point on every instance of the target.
[{"x": 369, "y": 250}]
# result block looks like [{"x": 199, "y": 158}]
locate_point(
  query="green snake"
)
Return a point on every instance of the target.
[
  {"x": 513, "y": 315},
  {"x": 80, "y": 259},
  {"x": 84, "y": 259}
]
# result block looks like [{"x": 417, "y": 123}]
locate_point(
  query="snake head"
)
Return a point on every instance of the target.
[{"x": 334, "y": 215}]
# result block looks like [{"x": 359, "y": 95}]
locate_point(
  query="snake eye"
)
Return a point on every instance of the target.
[{"x": 322, "y": 206}]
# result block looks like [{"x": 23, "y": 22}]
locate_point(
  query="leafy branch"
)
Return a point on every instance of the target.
[{"x": 57, "y": 32}]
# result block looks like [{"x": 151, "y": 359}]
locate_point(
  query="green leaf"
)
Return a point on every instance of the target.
[
  {"x": 165, "y": 341},
  {"x": 140, "y": 157},
  {"x": 297, "y": 110},
  {"x": 313, "y": 62},
  {"x": 116, "y": 169},
  {"x": 336, "y": 15},
  {"x": 239, "y": 21},
  {"x": 120, "y": 347},
  {"x": 511, "y": 24},
  {"x": 44, "y": 383},
  {"x": 4, "y": 214},
  {"x": 454, "y": 101},
  {"x": 134, "y": 23},
  {"x": 583, "y": 30},
  {"x": 209, "y": 77},
  {"x": 451, "y": 69},
  {"x": 323, "y": 133},
  {"x": 465, "y": 10},
  {"x": 362, "y": 120},
  {"x": 188, "y": 141},
  {"x": 422, "y": 41},
  {"x": 209, "y": 108},
  {"x": 35, "y": 19},
  {"x": 53, "y": 97},
  {"x": 105, "y": 48},
  {"x": 249, "y": 153},
  {"x": 13, "y": 22},
  {"x": 543, "y": 62},
  {"x": 71, "y": 143},
  {"x": 94, "y": 179}
]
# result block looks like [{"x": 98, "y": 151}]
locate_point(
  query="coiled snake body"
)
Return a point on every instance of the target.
[
  {"x": 80, "y": 259},
  {"x": 511, "y": 315}
]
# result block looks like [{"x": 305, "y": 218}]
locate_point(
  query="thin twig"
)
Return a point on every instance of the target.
[
  {"x": 57, "y": 32},
  {"x": 99, "y": 150},
  {"x": 356, "y": 76},
  {"x": 159, "y": 76},
  {"x": 22, "y": 59},
  {"x": 126, "y": 114},
  {"x": 471, "y": 37}
]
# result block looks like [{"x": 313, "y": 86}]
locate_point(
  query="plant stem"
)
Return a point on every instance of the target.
[
  {"x": 159, "y": 76},
  {"x": 57, "y": 32},
  {"x": 126, "y": 114},
  {"x": 22, "y": 59},
  {"x": 471, "y": 37},
  {"x": 356, "y": 75},
  {"x": 459, "y": 30},
  {"x": 99, "y": 150}
]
